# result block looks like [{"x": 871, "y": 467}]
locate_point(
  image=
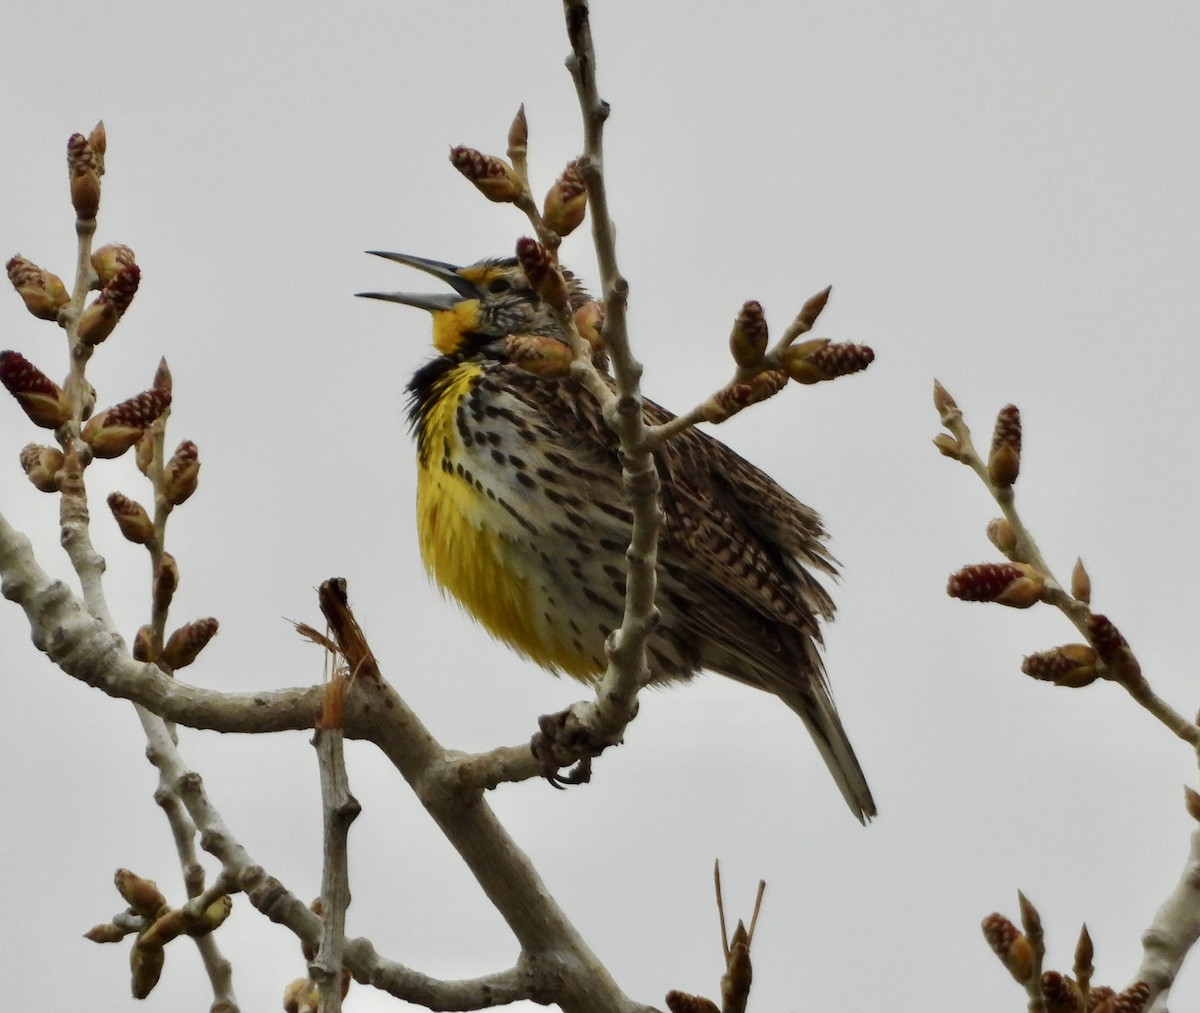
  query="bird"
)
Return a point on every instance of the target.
[{"x": 522, "y": 517}]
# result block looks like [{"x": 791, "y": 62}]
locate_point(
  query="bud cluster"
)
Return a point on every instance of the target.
[{"x": 161, "y": 922}]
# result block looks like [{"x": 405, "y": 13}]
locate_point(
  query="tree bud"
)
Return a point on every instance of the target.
[
  {"x": 748, "y": 339},
  {"x": 42, "y": 292},
  {"x": 542, "y": 272},
  {"x": 39, "y": 396},
  {"x": 1004, "y": 461},
  {"x": 146, "y": 964},
  {"x": 1014, "y": 584},
  {"x": 109, "y": 259},
  {"x": 820, "y": 359},
  {"x": 84, "y": 169},
  {"x": 131, "y": 518},
  {"x": 143, "y": 895},
  {"x": 166, "y": 581},
  {"x": 114, "y": 430},
  {"x": 1072, "y": 665},
  {"x": 566, "y": 202},
  {"x": 493, "y": 177},
  {"x": 1010, "y": 945},
  {"x": 188, "y": 641},
  {"x": 41, "y": 466},
  {"x": 97, "y": 321},
  {"x": 181, "y": 473}
]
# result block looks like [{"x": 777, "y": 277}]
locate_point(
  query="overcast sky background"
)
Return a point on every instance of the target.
[{"x": 1003, "y": 195}]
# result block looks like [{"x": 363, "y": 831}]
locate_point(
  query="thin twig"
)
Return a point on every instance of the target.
[{"x": 340, "y": 808}]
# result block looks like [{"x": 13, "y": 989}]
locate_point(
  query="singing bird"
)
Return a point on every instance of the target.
[{"x": 522, "y": 517}]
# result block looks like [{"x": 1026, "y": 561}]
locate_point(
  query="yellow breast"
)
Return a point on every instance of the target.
[{"x": 466, "y": 538}]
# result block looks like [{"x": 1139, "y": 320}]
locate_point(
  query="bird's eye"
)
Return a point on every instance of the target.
[{"x": 499, "y": 285}]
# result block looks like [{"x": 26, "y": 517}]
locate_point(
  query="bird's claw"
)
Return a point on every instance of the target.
[{"x": 561, "y": 740}]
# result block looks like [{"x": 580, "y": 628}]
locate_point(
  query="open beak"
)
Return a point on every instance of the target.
[{"x": 448, "y": 273}]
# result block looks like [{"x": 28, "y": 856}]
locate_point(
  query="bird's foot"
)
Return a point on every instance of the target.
[{"x": 562, "y": 740}]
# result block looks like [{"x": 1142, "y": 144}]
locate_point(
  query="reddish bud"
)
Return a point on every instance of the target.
[
  {"x": 181, "y": 473},
  {"x": 84, "y": 168},
  {"x": 1061, "y": 994},
  {"x": 143, "y": 645},
  {"x": 1010, "y": 945},
  {"x": 97, "y": 321},
  {"x": 566, "y": 202},
  {"x": 166, "y": 581},
  {"x": 1135, "y": 999},
  {"x": 493, "y": 177},
  {"x": 542, "y": 272},
  {"x": 109, "y": 259},
  {"x": 1013, "y": 584},
  {"x": 814, "y": 361},
  {"x": 1105, "y": 637},
  {"x": 1004, "y": 461},
  {"x": 188, "y": 641},
  {"x": 39, "y": 396},
  {"x": 42, "y": 292},
  {"x": 1072, "y": 665},
  {"x": 114, "y": 430},
  {"x": 131, "y": 518},
  {"x": 748, "y": 339},
  {"x": 685, "y": 1002},
  {"x": 41, "y": 466}
]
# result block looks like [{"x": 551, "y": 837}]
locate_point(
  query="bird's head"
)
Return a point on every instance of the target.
[{"x": 489, "y": 301}]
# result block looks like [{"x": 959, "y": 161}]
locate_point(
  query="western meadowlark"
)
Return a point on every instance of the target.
[{"x": 522, "y": 517}]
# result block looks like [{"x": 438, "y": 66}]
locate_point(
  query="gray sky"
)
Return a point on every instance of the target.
[{"x": 1003, "y": 195}]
